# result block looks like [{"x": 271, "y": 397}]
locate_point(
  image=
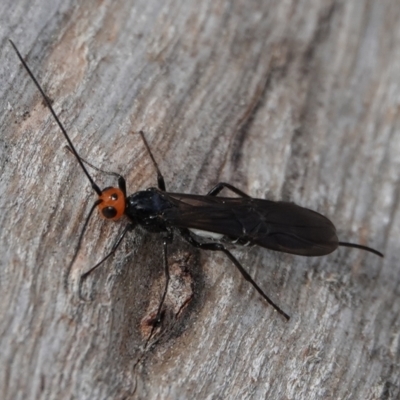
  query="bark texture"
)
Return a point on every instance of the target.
[{"x": 292, "y": 100}]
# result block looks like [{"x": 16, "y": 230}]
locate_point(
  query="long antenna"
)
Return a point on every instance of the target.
[{"x": 47, "y": 101}]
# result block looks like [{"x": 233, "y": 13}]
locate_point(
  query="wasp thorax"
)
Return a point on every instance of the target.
[{"x": 112, "y": 204}]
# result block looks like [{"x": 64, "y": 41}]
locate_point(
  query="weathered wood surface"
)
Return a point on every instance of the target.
[{"x": 287, "y": 100}]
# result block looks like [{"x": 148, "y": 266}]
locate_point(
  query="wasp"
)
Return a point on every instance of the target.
[{"x": 208, "y": 221}]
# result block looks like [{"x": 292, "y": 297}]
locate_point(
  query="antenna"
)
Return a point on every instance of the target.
[{"x": 48, "y": 103}]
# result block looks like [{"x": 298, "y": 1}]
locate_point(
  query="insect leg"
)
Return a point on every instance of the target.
[
  {"x": 78, "y": 245},
  {"x": 167, "y": 240},
  {"x": 160, "y": 178},
  {"x": 221, "y": 185},
  {"x": 115, "y": 246},
  {"x": 121, "y": 179},
  {"x": 220, "y": 247}
]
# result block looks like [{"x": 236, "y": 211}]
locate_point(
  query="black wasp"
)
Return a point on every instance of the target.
[{"x": 279, "y": 226}]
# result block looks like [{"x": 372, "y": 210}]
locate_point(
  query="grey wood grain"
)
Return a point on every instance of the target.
[{"x": 293, "y": 100}]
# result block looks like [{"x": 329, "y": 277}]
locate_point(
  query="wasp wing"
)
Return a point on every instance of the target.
[{"x": 279, "y": 226}]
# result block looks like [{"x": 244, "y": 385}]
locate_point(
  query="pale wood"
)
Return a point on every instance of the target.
[{"x": 287, "y": 100}]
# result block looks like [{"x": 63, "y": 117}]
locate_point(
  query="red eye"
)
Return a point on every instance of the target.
[{"x": 113, "y": 203}]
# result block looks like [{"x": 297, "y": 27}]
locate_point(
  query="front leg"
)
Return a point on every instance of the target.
[
  {"x": 118, "y": 241},
  {"x": 121, "y": 179},
  {"x": 160, "y": 178}
]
